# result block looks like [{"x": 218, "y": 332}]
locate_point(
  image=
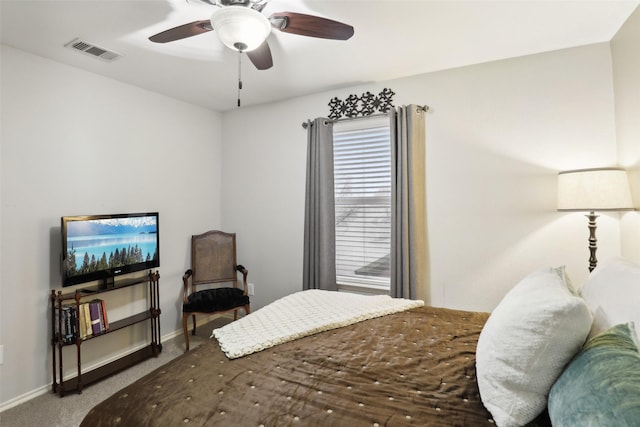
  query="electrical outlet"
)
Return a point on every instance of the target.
[{"x": 250, "y": 286}]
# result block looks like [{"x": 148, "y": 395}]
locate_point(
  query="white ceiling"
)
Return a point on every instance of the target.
[{"x": 392, "y": 39}]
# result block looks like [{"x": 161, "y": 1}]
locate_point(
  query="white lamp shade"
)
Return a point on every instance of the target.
[
  {"x": 604, "y": 189},
  {"x": 240, "y": 28}
]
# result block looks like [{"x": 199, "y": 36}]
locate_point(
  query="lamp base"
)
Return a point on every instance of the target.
[{"x": 593, "y": 247}]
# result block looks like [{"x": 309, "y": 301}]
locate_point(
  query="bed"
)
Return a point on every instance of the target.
[{"x": 413, "y": 367}]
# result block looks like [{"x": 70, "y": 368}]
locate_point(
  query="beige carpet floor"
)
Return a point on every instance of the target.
[{"x": 49, "y": 410}]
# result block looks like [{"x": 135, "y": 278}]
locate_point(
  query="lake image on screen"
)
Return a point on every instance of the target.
[{"x": 95, "y": 245}]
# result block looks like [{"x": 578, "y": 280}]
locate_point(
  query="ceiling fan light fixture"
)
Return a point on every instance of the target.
[{"x": 240, "y": 28}]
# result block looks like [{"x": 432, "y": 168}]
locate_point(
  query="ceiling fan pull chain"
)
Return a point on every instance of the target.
[{"x": 239, "y": 75}]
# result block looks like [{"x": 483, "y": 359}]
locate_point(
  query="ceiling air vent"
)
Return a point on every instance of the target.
[{"x": 92, "y": 50}]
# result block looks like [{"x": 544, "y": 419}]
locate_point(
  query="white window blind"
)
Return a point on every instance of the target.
[{"x": 362, "y": 177}]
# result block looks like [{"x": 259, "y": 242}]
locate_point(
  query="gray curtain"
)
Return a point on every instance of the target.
[
  {"x": 319, "y": 271},
  {"x": 408, "y": 205}
]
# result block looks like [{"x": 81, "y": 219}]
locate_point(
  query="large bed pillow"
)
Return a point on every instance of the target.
[
  {"x": 528, "y": 339},
  {"x": 612, "y": 293},
  {"x": 601, "y": 386}
]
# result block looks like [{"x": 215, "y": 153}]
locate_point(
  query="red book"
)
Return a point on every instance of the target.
[{"x": 105, "y": 322}]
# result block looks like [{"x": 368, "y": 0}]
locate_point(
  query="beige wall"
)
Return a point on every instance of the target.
[
  {"x": 625, "y": 48},
  {"x": 76, "y": 143},
  {"x": 497, "y": 134}
]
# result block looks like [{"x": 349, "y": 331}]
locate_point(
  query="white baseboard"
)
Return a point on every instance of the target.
[
  {"x": 25, "y": 397},
  {"x": 47, "y": 388}
]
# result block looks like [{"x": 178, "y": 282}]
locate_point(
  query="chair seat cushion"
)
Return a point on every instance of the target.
[{"x": 219, "y": 299}]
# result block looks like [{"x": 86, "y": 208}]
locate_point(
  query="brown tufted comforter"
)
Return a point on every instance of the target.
[{"x": 411, "y": 368}]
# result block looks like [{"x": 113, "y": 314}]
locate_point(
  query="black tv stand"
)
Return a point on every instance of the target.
[
  {"x": 109, "y": 283},
  {"x": 73, "y": 301}
]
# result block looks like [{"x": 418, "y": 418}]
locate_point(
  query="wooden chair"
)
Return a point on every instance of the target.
[{"x": 213, "y": 261}]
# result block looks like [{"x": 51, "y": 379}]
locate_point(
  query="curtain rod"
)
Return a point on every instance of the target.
[{"x": 424, "y": 108}]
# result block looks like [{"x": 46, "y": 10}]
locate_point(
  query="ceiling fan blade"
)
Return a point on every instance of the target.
[
  {"x": 182, "y": 31},
  {"x": 261, "y": 56},
  {"x": 311, "y": 26}
]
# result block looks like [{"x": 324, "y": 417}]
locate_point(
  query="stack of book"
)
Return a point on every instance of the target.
[{"x": 81, "y": 321}]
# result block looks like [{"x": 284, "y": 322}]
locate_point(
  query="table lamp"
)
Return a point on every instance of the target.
[{"x": 603, "y": 189}]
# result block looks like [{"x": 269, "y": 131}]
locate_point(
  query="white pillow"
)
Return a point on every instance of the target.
[
  {"x": 612, "y": 293},
  {"x": 531, "y": 335}
]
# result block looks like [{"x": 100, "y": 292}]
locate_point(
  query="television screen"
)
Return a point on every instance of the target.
[{"x": 99, "y": 247}]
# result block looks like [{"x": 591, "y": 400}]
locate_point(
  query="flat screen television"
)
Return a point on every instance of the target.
[{"x": 100, "y": 247}]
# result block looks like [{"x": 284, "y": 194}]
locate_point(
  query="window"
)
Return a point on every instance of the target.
[{"x": 362, "y": 178}]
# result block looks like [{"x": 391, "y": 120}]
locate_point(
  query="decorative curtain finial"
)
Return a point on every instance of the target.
[{"x": 365, "y": 105}]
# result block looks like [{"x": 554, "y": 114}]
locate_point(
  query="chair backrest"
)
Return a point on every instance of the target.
[{"x": 213, "y": 258}]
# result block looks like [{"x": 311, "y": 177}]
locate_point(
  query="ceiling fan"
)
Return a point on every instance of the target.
[{"x": 241, "y": 26}]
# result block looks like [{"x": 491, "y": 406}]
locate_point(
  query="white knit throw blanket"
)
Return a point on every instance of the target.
[{"x": 301, "y": 314}]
